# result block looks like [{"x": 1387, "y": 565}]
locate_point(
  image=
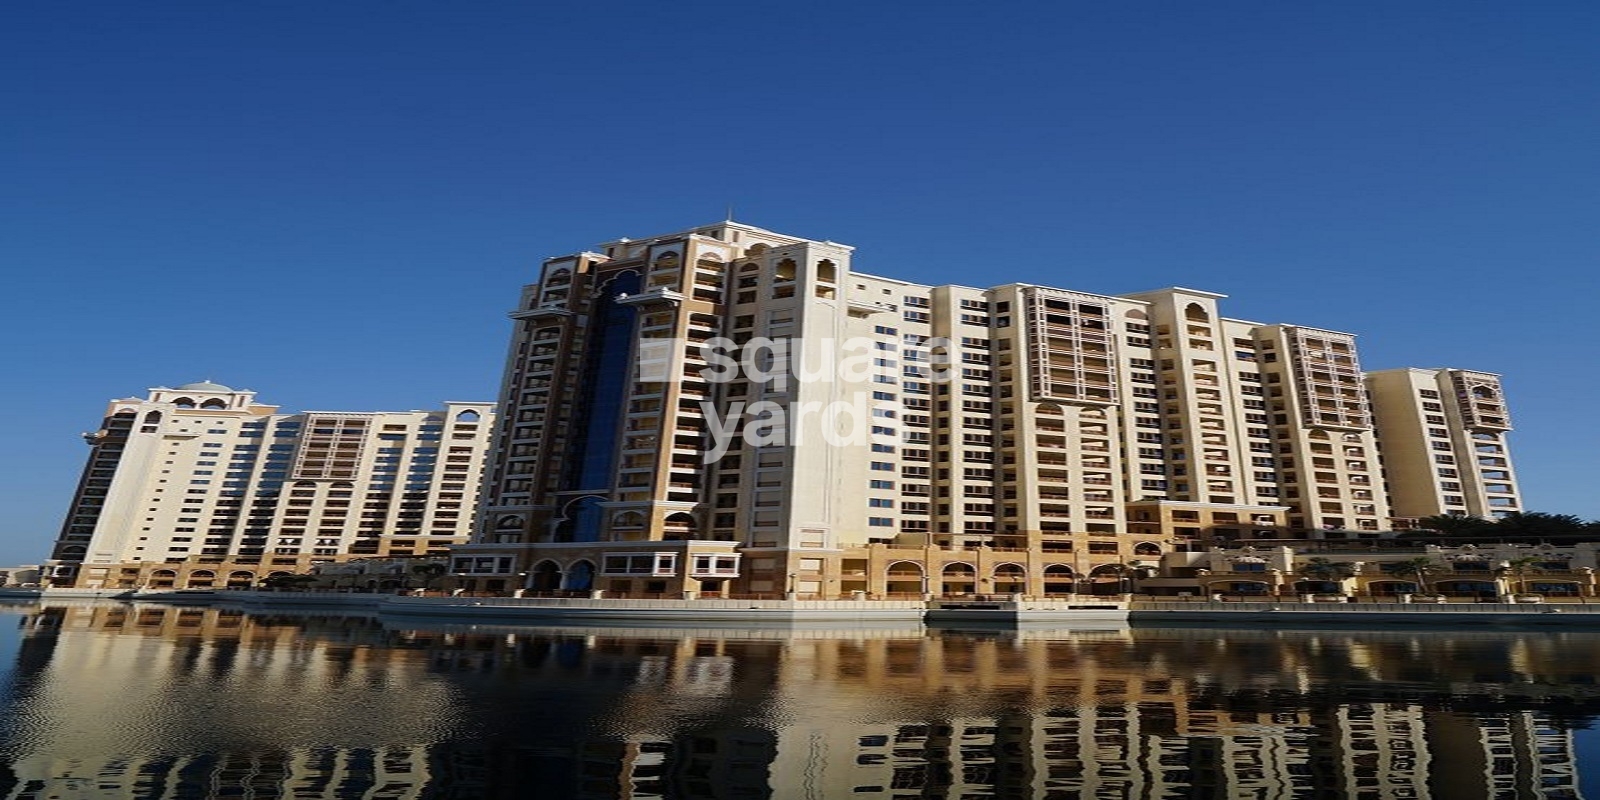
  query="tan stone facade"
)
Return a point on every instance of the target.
[
  {"x": 1019, "y": 436},
  {"x": 1444, "y": 440},
  {"x": 201, "y": 486}
]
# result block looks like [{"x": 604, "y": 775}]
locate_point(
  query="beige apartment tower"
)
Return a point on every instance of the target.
[
  {"x": 729, "y": 409},
  {"x": 200, "y": 486},
  {"x": 1443, "y": 433}
]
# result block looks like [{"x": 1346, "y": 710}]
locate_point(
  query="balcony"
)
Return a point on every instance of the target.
[{"x": 651, "y": 296}]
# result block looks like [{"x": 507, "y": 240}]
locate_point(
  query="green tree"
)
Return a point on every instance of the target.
[
  {"x": 1417, "y": 569},
  {"x": 1518, "y": 569},
  {"x": 428, "y": 573},
  {"x": 1458, "y": 524},
  {"x": 1324, "y": 570},
  {"x": 289, "y": 582},
  {"x": 1539, "y": 523}
]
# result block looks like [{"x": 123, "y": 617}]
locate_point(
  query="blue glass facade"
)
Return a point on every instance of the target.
[{"x": 602, "y": 391}]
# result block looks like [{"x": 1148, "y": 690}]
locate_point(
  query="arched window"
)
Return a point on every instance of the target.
[
  {"x": 581, "y": 521},
  {"x": 560, "y": 277},
  {"x": 1194, "y": 312},
  {"x": 152, "y": 418},
  {"x": 905, "y": 577},
  {"x": 184, "y": 402},
  {"x": 468, "y": 416},
  {"x": 546, "y": 577},
  {"x": 580, "y": 576},
  {"x": 680, "y": 526},
  {"x": 958, "y": 573}
]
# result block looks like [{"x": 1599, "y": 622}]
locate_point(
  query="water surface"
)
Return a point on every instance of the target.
[{"x": 142, "y": 700}]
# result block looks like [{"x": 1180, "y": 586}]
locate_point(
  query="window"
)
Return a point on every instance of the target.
[
  {"x": 638, "y": 564},
  {"x": 880, "y": 522},
  {"x": 882, "y": 466},
  {"x": 881, "y": 484},
  {"x": 879, "y": 502}
]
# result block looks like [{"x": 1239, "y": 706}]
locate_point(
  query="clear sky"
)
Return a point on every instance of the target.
[{"x": 333, "y": 203}]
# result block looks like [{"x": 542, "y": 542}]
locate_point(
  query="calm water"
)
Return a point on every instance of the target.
[{"x": 147, "y": 701}]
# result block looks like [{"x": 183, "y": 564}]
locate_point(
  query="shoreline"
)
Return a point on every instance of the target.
[{"x": 988, "y": 613}]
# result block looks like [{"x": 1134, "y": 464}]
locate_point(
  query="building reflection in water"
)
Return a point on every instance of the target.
[{"x": 166, "y": 702}]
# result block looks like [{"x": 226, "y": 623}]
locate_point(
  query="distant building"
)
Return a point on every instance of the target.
[
  {"x": 1014, "y": 439},
  {"x": 201, "y": 486},
  {"x": 1443, "y": 436},
  {"x": 27, "y": 575}
]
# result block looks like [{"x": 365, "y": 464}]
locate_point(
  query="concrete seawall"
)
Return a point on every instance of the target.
[
  {"x": 1062, "y": 613},
  {"x": 678, "y": 611},
  {"x": 1231, "y": 614}
]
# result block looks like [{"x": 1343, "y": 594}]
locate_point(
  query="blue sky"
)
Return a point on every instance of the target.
[{"x": 334, "y": 203}]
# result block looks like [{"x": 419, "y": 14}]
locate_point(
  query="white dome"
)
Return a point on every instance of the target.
[{"x": 204, "y": 386}]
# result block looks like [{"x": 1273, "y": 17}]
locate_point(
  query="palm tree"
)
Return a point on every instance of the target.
[
  {"x": 1326, "y": 571},
  {"x": 293, "y": 582},
  {"x": 1519, "y": 569},
  {"x": 1459, "y": 524},
  {"x": 1539, "y": 523},
  {"x": 1416, "y": 568},
  {"x": 428, "y": 573}
]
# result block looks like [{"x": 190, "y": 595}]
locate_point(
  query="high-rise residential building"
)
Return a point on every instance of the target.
[
  {"x": 1443, "y": 435},
  {"x": 733, "y": 409},
  {"x": 200, "y": 486}
]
